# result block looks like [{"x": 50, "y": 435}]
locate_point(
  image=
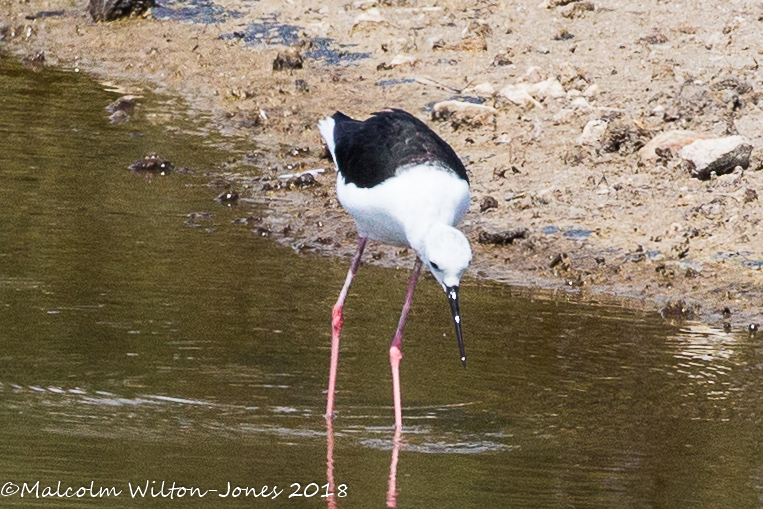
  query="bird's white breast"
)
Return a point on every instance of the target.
[{"x": 400, "y": 210}]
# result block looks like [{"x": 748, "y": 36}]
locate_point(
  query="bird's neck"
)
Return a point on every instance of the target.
[{"x": 419, "y": 236}]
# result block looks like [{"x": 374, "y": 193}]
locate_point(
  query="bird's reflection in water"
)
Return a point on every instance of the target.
[
  {"x": 392, "y": 486},
  {"x": 392, "y": 482},
  {"x": 330, "y": 462}
]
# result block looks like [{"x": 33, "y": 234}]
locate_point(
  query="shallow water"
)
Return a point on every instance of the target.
[{"x": 137, "y": 349}]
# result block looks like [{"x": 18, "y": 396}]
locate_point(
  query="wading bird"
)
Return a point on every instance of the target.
[{"x": 403, "y": 185}]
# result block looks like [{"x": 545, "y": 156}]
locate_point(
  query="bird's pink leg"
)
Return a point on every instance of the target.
[
  {"x": 336, "y": 326},
  {"x": 395, "y": 350}
]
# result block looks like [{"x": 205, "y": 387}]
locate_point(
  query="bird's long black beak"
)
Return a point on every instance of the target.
[{"x": 452, "y": 292}]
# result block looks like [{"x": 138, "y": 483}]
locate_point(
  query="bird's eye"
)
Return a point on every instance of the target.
[{"x": 434, "y": 266}]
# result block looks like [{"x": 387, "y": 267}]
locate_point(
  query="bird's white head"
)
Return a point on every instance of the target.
[{"x": 447, "y": 253}]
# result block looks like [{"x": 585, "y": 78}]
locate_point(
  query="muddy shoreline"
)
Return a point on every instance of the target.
[{"x": 551, "y": 208}]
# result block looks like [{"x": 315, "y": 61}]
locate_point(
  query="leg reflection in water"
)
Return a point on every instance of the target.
[
  {"x": 333, "y": 503},
  {"x": 392, "y": 486}
]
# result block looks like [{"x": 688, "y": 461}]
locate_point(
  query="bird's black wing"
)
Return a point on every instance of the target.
[{"x": 370, "y": 152}]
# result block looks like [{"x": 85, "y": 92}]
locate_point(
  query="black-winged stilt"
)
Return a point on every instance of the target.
[{"x": 404, "y": 186}]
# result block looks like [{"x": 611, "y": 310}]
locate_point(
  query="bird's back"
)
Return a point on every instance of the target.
[{"x": 368, "y": 153}]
